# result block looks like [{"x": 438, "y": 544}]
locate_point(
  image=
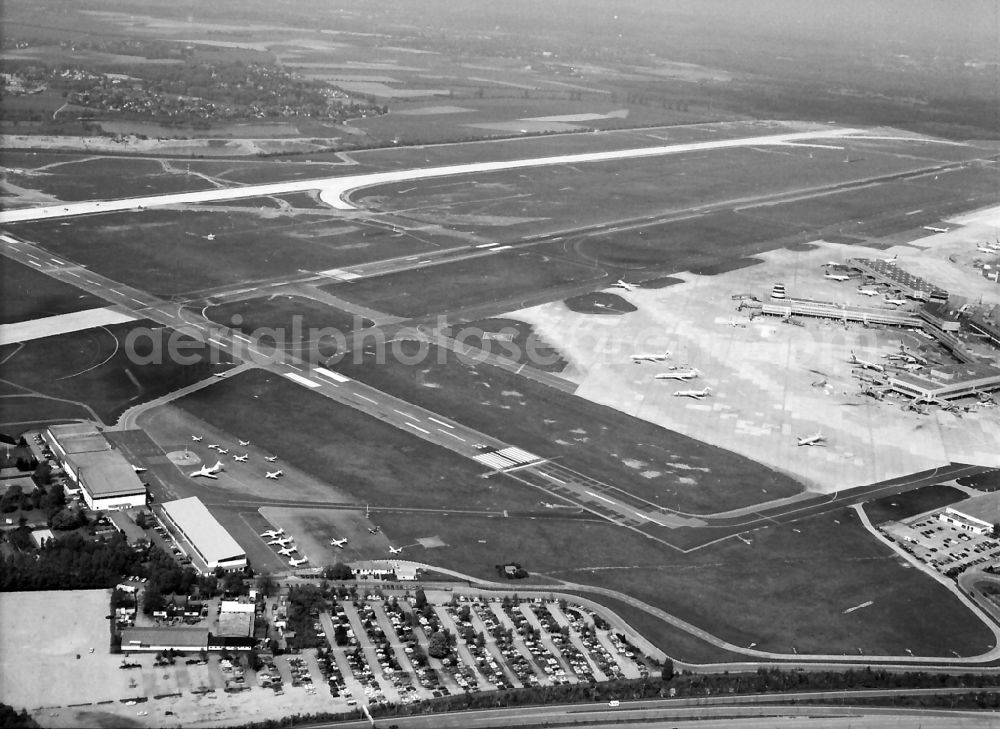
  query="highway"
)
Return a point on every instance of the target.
[{"x": 755, "y": 710}]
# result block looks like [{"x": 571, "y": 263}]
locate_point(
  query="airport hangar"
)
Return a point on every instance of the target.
[
  {"x": 106, "y": 479},
  {"x": 211, "y": 547}
]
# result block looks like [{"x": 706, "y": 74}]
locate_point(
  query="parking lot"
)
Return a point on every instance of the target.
[{"x": 941, "y": 545}]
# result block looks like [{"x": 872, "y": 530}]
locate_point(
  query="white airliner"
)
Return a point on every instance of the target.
[
  {"x": 619, "y": 284},
  {"x": 223, "y": 451},
  {"x": 890, "y": 260},
  {"x": 866, "y": 364},
  {"x": 895, "y": 302},
  {"x": 868, "y": 292},
  {"x": 338, "y": 542},
  {"x": 197, "y": 438},
  {"x": 649, "y": 357},
  {"x": 272, "y": 533},
  {"x": 283, "y": 541},
  {"x": 837, "y": 276},
  {"x": 811, "y": 440},
  {"x": 678, "y": 375},
  {"x": 219, "y": 374},
  {"x": 244, "y": 443},
  {"x": 212, "y": 445},
  {"x": 988, "y": 249},
  {"x": 932, "y": 229},
  {"x": 241, "y": 459},
  {"x": 912, "y": 367},
  {"x": 273, "y": 474},
  {"x": 288, "y": 551},
  {"x": 696, "y": 394},
  {"x": 911, "y": 355},
  {"x": 297, "y": 562},
  {"x": 138, "y": 469},
  {"x": 395, "y": 550},
  {"x": 209, "y": 471},
  {"x": 270, "y": 459}
]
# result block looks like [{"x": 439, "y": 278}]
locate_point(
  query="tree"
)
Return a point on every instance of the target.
[
  {"x": 437, "y": 645},
  {"x": 339, "y": 571},
  {"x": 142, "y": 520},
  {"x": 42, "y": 475},
  {"x": 667, "y": 673},
  {"x": 67, "y": 519},
  {"x": 233, "y": 582},
  {"x": 420, "y": 599},
  {"x": 995, "y": 531},
  {"x": 266, "y": 584},
  {"x": 340, "y": 635}
]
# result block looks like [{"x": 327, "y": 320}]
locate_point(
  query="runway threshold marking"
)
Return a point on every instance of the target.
[
  {"x": 301, "y": 380},
  {"x": 435, "y": 420},
  {"x": 602, "y": 498},
  {"x": 336, "y": 377},
  {"x": 417, "y": 427}
]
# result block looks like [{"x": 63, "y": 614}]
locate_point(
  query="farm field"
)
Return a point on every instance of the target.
[
  {"x": 788, "y": 588},
  {"x": 370, "y": 460},
  {"x": 168, "y": 252},
  {"x": 505, "y": 277},
  {"x": 93, "y": 368},
  {"x": 659, "y": 465},
  {"x": 911, "y": 503},
  {"x": 30, "y": 294}
]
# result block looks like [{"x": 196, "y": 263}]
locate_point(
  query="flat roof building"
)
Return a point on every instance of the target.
[
  {"x": 161, "y": 639},
  {"x": 206, "y": 541},
  {"x": 236, "y": 619},
  {"x": 106, "y": 479},
  {"x": 946, "y": 382}
]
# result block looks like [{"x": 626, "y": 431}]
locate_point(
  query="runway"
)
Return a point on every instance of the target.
[{"x": 334, "y": 190}]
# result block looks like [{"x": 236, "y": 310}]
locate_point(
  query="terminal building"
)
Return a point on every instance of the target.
[
  {"x": 106, "y": 479},
  {"x": 890, "y": 274},
  {"x": 946, "y": 382},
  {"x": 205, "y": 540}
]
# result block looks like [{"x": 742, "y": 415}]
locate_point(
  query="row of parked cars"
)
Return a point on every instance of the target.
[{"x": 505, "y": 644}]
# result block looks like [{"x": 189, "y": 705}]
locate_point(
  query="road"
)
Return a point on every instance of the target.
[
  {"x": 756, "y": 710},
  {"x": 333, "y": 190}
]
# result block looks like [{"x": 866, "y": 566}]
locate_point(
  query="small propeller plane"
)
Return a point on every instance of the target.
[
  {"x": 338, "y": 542},
  {"x": 297, "y": 562},
  {"x": 274, "y": 474},
  {"x": 241, "y": 459},
  {"x": 395, "y": 550}
]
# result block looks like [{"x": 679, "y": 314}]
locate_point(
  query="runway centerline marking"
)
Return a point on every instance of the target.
[
  {"x": 366, "y": 398},
  {"x": 456, "y": 437},
  {"x": 417, "y": 427},
  {"x": 435, "y": 420},
  {"x": 602, "y": 498}
]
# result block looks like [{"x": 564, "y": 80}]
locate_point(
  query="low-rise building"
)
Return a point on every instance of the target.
[
  {"x": 106, "y": 479},
  {"x": 206, "y": 541}
]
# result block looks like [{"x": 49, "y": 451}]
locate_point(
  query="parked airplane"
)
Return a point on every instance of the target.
[
  {"x": 374, "y": 529},
  {"x": 912, "y": 356},
  {"x": 197, "y": 438},
  {"x": 912, "y": 367},
  {"x": 678, "y": 375},
  {"x": 209, "y": 471},
  {"x": 138, "y": 469},
  {"x": 837, "y": 276},
  {"x": 811, "y": 440},
  {"x": 932, "y": 229},
  {"x": 270, "y": 459},
  {"x": 223, "y": 451},
  {"x": 244, "y": 443},
  {"x": 865, "y": 363},
  {"x": 283, "y": 541},
  {"x": 895, "y": 302},
  {"x": 987, "y": 249},
  {"x": 619, "y": 284},
  {"x": 338, "y": 542},
  {"x": 271, "y": 533},
  {"x": 889, "y": 260},
  {"x": 297, "y": 562},
  {"x": 696, "y": 394},
  {"x": 649, "y": 357},
  {"x": 219, "y": 374},
  {"x": 288, "y": 551},
  {"x": 241, "y": 459},
  {"x": 867, "y": 292},
  {"x": 395, "y": 550},
  {"x": 213, "y": 445},
  {"x": 273, "y": 474}
]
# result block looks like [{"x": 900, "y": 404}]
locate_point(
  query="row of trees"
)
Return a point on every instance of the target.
[{"x": 70, "y": 563}]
